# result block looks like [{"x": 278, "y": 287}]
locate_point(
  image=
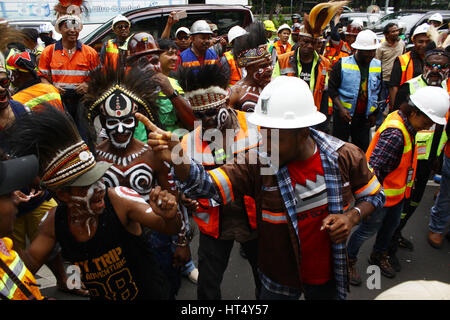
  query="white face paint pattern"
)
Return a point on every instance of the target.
[{"x": 125, "y": 126}]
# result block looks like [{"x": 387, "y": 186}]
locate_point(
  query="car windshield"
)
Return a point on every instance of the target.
[{"x": 408, "y": 19}]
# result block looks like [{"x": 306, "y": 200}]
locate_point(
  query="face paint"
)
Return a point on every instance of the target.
[
  {"x": 263, "y": 75},
  {"x": 435, "y": 75},
  {"x": 120, "y": 131},
  {"x": 222, "y": 117}
]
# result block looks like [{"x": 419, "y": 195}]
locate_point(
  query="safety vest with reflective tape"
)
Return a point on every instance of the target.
[
  {"x": 281, "y": 49},
  {"x": 351, "y": 82},
  {"x": 207, "y": 215},
  {"x": 38, "y": 95},
  {"x": 8, "y": 287},
  {"x": 398, "y": 183},
  {"x": 334, "y": 52},
  {"x": 235, "y": 71},
  {"x": 407, "y": 66},
  {"x": 316, "y": 84},
  {"x": 112, "y": 53},
  {"x": 190, "y": 60},
  {"x": 424, "y": 138}
]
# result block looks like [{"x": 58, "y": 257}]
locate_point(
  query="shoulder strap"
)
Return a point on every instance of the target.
[{"x": 17, "y": 281}]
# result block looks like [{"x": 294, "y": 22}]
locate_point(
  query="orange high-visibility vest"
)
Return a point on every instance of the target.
[
  {"x": 38, "y": 95},
  {"x": 207, "y": 215},
  {"x": 397, "y": 184},
  {"x": 8, "y": 287},
  {"x": 112, "y": 53},
  {"x": 407, "y": 66},
  {"x": 334, "y": 53},
  {"x": 280, "y": 48},
  {"x": 235, "y": 72}
]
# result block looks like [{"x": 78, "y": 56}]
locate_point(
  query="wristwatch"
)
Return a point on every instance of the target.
[{"x": 173, "y": 95}]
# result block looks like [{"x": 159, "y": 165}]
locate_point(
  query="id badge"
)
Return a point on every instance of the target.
[{"x": 410, "y": 175}]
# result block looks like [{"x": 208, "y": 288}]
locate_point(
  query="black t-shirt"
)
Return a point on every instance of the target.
[
  {"x": 114, "y": 264},
  {"x": 305, "y": 73}
]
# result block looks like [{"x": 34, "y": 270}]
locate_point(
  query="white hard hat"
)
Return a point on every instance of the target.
[
  {"x": 120, "y": 18},
  {"x": 433, "y": 101},
  {"x": 200, "y": 26},
  {"x": 235, "y": 32},
  {"x": 366, "y": 40},
  {"x": 417, "y": 290},
  {"x": 284, "y": 26},
  {"x": 436, "y": 17},
  {"x": 182, "y": 29},
  {"x": 423, "y": 28},
  {"x": 46, "y": 27},
  {"x": 286, "y": 103}
]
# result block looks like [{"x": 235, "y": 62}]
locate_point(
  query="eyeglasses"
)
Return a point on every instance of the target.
[
  {"x": 4, "y": 83},
  {"x": 204, "y": 114},
  {"x": 122, "y": 26},
  {"x": 181, "y": 37},
  {"x": 438, "y": 65}
]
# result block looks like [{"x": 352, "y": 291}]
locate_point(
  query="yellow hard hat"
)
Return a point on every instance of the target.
[{"x": 269, "y": 25}]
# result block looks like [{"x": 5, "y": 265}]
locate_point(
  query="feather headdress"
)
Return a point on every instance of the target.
[
  {"x": 319, "y": 17},
  {"x": 251, "y": 47},
  {"x": 69, "y": 10},
  {"x": 205, "y": 87}
]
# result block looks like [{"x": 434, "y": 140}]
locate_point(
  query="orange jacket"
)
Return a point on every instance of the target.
[
  {"x": 39, "y": 94},
  {"x": 207, "y": 215},
  {"x": 57, "y": 67},
  {"x": 8, "y": 287},
  {"x": 280, "y": 48},
  {"x": 407, "y": 66},
  {"x": 334, "y": 53},
  {"x": 397, "y": 184}
]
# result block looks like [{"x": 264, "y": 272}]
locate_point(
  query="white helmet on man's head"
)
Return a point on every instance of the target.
[
  {"x": 235, "y": 32},
  {"x": 200, "y": 26},
  {"x": 433, "y": 101},
  {"x": 436, "y": 17},
  {"x": 366, "y": 40},
  {"x": 120, "y": 18},
  {"x": 422, "y": 29},
  {"x": 286, "y": 103}
]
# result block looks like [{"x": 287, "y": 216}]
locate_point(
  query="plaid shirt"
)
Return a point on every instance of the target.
[
  {"x": 200, "y": 183},
  {"x": 388, "y": 152}
]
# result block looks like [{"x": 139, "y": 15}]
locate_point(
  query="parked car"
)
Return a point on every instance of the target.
[
  {"x": 153, "y": 20},
  {"x": 368, "y": 19},
  {"x": 410, "y": 20}
]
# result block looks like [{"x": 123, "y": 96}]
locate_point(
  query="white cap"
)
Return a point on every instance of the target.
[
  {"x": 120, "y": 18},
  {"x": 182, "y": 29},
  {"x": 286, "y": 103},
  {"x": 433, "y": 101},
  {"x": 423, "y": 28},
  {"x": 235, "y": 32},
  {"x": 436, "y": 17},
  {"x": 417, "y": 290},
  {"x": 284, "y": 26},
  {"x": 366, "y": 40}
]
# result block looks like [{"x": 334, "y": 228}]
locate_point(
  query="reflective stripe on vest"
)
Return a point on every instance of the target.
[
  {"x": 369, "y": 189},
  {"x": 273, "y": 217},
  {"x": 351, "y": 82},
  {"x": 7, "y": 285},
  {"x": 39, "y": 94},
  {"x": 396, "y": 184}
]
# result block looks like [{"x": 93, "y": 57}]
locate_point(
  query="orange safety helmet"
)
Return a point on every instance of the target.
[{"x": 140, "y": 44}]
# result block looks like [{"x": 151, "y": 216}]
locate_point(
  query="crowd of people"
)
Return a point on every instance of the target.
[{"x": 111, "y": 159}]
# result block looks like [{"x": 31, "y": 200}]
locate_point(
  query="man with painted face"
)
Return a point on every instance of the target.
[
  {"x": 354, "y": 86},
  {"x": 222, "y": 135},
  {"x": 133, "y": 164},
  {"x": 430, "y": 142},
  {"x": 252, "y": 54},
  {"x": 304, "y": 183},
  {"x": 98, "y": 228}
]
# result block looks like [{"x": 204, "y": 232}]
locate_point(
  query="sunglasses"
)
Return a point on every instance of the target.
[
  {"x": 438, "y": 65},
  {"x": 180, "y": 37},
  {"x": 122, "y": 26},
  {"x": 204, "y": 114},
  {"x": 4, "y": 83}
]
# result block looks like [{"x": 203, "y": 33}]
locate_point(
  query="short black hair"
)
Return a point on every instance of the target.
[
  {"x": 388, "y": 26},
  {"x": 167, "y": 44}
]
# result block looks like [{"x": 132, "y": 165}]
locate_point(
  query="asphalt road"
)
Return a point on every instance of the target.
[{"x": 424, "y": 263}]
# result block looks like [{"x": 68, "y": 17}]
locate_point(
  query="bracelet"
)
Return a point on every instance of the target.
[{"x": 359, "y": 213}]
